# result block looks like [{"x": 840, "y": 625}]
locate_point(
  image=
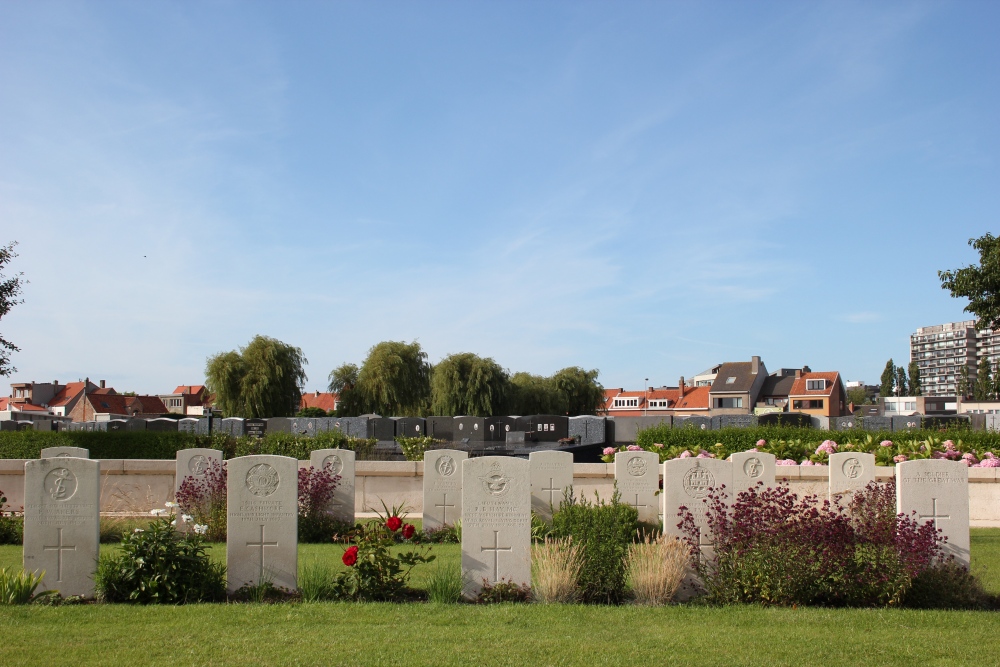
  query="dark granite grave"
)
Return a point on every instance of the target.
[
  {"x": 203, "y": 427},
  {"x": 844, "y": 423},
  {"x": 279, "y": 425},
  {"x": 118, "y": 425},
  {"x": 785, "y": 419},
  {"x": 135, "y": 424},
  {"x": 497, "y": 428},
  {"x": 733, "y": 421},
  {"x": 910, "y": 423},
  {"x": 471, "y": 429},
  {"x": 45, "y": 425},
  {"x": 256, "y": 428},
  {"x": 187, "y": 425},
  {"x": 233, "y": 426},
  {"x": 876, "y": 423},
  {"x": 946, "y": 421},
  {"x": 411, "y": 427},
  {"x": 441, "y": 428},
  {"x": 383, "y": 429},
  {"x": 307, "y": 426},
  {"x": 162, "y": 425},
  {"x": 25, "y": 426},
  {"x": 588, "y": 430},
  {"x": 698, "y": 422}
]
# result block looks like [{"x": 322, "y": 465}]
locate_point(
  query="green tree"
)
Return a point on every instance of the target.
[
  {"x": 984, "y": 382},
  {"x": 962, "y": 383},
  {"x": 10, "y": 292},
  {"x": 901, "y": 385},
  {"x": 857, "y": 396},
  {"x": 979, "y": 284},
  {"x": 915, "y": 389},
  {"x": 995, "y": 390},
  {"x": 533, "y": 395},
  {"x": 394, "y": 380},
  {"x": 467, "y": 384},
  {"x": 311, "y": 412},
  {"x": 888, "y": 379},
  {"x": 263, "y": 379},
  {"x": 579, "y": 391},
  {"x": 344, "y": 383}
]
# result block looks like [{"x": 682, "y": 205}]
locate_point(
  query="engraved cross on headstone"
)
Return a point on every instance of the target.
[
  {"x": 59, "y": 548},
  {"x": 444, "y": 507},
  {"x": 496, "y": 549},
  {"x": 552, "y": 489},
  {"x": 262, "y": 544},
  {"x": 636, "y": 504},
  {"x": 934, "y": 514}
]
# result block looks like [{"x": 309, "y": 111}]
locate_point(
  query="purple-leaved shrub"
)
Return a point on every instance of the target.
[{"x": 202, "y": 501}]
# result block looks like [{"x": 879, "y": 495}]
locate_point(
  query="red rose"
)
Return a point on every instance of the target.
[
  {"x": 408, "y": 531},
  {"x": 351, "y": 556},
  {"x": 393, "y": 523}
]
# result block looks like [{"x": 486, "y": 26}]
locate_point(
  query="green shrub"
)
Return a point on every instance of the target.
[
  {"x": 604, "y": 530},
  {"x": 11, "y": 526},
  {"x": 158, "y": 565},
  {"x": 19, "y": 587},
  {"x": 948, "y": 585},
  {"x": 101, "y": 444},
  {"x": 414, "y": 448},
  {"x": 446, "y": 583},
  {"x": 503, "y": 591}
]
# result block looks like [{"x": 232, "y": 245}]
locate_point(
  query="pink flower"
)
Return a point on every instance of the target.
[
  {"x": 785, "y": 462},
  {"x": 989, "y": 463},
  {"x": 900, "y": 458},
  {"x": 970, "y": 458},
  {"x": 634, "y": 448},
  {"x": 885, "y": 443},
  {"x": 761, "y": 442},
  {"x": 752, "y": 449},
  {"x": 685, "y": 454},
  {"x": 658, "y": 445},
  {"x": 949, "y": 445},
  {"x": 827, "y": 447},
  {"x": 807, "y": 462},
  {"x": 609, "y": 451},
  {"x": 989, "y": 455}
]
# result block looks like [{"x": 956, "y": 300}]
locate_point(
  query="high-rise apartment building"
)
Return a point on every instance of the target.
[{"x": 941, "y": 350}]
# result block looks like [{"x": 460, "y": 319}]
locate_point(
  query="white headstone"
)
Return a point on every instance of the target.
[
  {"x": 194, "y": 462},
  {"x": 496, "y": 521},
  {"x": 442, "y": 487},
  {"x": 638, "y": 478},
  {"x": 749, "y": 468},
  {"x": 937, "y": 491},
  {"x": 551, "y": 473},
  {"x": 687, "y": 483},
  {"x": 850, "y": 472},
  {"x": 341, "y": 463},
  {"x": 75, "y": 452},
  {"x": 262, "y": 530},
  {"x": 62, "y": 522}
]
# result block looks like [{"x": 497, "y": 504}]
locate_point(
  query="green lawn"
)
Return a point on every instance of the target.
[{"x": 426, "y": 634}]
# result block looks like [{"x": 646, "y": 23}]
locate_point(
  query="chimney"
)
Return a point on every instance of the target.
[
  {"x": 680, "y": 385},
  {"x": 798, "y": 372},
  {"x": 755, "y": 365},
  {"x": 102, "y": 384},
  {"x": 317, "y": 393}
]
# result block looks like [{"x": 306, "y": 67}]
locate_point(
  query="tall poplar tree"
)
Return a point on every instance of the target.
[
  {"x": 915, "y": 389},
  {"x": 901, "y": 385},
  {"x": 888, "y": 379},
  {"x": 984, "y": 382}
]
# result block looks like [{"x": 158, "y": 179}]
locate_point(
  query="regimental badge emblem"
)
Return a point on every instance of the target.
[
  {"x": 262, "y": 480},
  {"x": 636, "y": 466},
  {"x": 495, "y": 482},
  {"x": 698, "y": 482},
  {"x": 753, "y": 468},
  {"x": 334, "y": 463},
  {"x": 198, "y": 464},
  {"x": 446, "y": 466},
  {"x": 853, "y": 468},
  {"x": 60, "y": 484}
]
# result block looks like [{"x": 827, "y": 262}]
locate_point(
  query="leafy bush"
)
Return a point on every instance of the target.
[
  {"x": 316, "y": 523},
  {"x": 373, "y": 572},
  {"x": 102, "y": 444},
  {"x": 949, "y": 585},
  {"x": 655, "y": 569},
  {"x": 771, "y": 547},
  {"x": 555, "y": 570},
  {"x": 158, "y": 565},
  {"x": 447, "y": 534},
  {"x": 446, "y": 583},
  {"x": 203, "y": 501},
  {"x": 20, "y": 587},
  {"x": 311, "y": 412},
  {"x": 503, "y": 591},
  {"x": 414, "y": 448},
  {"x": 604, "y": 531},
  {"x": 11, "y": 525}
]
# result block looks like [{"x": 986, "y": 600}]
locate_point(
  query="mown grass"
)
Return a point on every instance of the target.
[{"x": 428, "y": 634}]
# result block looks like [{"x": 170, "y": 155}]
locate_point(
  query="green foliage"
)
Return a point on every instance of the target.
[
  {"x": 158, "y": 565},
  {"x": 962, "y": 383},
  {"x": 888, "y": 379},
  {"x": 446, "y": 583},
  {"x": 20, "y": 587},
  {"x": 311, "y": 412},
  {"x": 11, "y": 526},
  {"x": 414, "y": 448},
  {"x": 503, "y": 591},
  {"x": 317, "y": 582},
  {"x": 579, "y": 391},
  {"x": 10, "y": 291},
  {"x": 447, "y": 534},
  {"x": 604, "y": 531},
  {"x": 102, "y": 444},
  {"x": 901, "y": 384},
  {"x": 979, "y": 284},
  {"x": 984, "y": 382},
  {"x": 263, "y": 379},
  {"x": 395, "y": 379},
  {"x": 949, "y": 585},
  {"x": 532, "y": 395},
  {"x": 915, "y": 388},
  {"x": 857, "y": 396},
  {"x": 114, "y": 528},
  {"x": 540, "y": 528},
  {"x": 467, "y": 384},
  {"x": 344, "y": 383}
]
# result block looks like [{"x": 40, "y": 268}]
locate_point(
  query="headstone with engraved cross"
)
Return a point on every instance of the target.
[
  {"x": 496, "y": 522},
  {"x": 751, "y": 469},
  {"x": 936, "y": 490},
  {"x": 637, "y": 474},
  {"x": 62, "y": 522},
  {"x": 262, "y": 528},
  {"x": 442, "y": 487},
  {"x": 341, "y": 463},
  {"x": 551, "y": 472},
  {"x": 850, "y": 472}
]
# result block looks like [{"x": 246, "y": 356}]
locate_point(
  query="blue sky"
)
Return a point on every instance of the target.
[{"x": 643, "y": 188}]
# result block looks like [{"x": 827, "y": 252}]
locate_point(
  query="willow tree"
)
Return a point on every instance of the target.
[
  {"x": 394, "y": 379},
  {"x": 533, "y": 395},
  {"x": 579, "y": 391},
  {"x": 467, "y": 384},
  {"x": 344, "y": 383},
  {"x": 263, "y": 379}
]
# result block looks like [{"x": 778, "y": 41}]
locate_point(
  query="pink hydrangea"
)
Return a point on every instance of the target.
[
  {"x": 634, "y": 448},
  {"x": 988, "y": 455},
  {"x": 970, "y": 458},
  {"x": 785, "y": 462},
  {"x": 949, "y": 445},
  {"x": 989, "y": 463},
  {"x": 752, "y": 449},
  {"x": 685, "y": 454},
  {"x": 609, "y": 451},
  {"x": 827, "y": 447},
  {"x": 807, "y": 462},
  {"x": 885, "y": 443},
  {"x": 761, "y": 442},
  {"x": 899, "y": 458}
]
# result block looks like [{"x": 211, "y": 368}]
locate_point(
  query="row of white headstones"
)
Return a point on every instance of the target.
[{"x": 493, "y": 497}]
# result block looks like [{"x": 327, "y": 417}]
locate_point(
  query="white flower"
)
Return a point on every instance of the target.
[
  {"x": 138, "y": 530},
  {"x": 174, "y": 522},
  {"x": 170, "y": 504},
  {"x": 200, "y": 528},
  {"x": 187, "y": 518}
]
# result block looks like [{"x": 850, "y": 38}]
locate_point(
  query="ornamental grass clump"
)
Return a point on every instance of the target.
[
  {"x": 772, "y": 547},
  {"x": 20, "y": 587},
  {"x": 446, "y": 583},
  {"x": 202, "y": 500},
  {"x": 656, "y": 567},
  {"x": 555, "y": 570}
]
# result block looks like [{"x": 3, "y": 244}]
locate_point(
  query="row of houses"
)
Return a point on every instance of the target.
[{"x": 86, "y": 401}]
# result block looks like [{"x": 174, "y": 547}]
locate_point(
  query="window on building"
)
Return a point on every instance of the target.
[
  {"x": 730, "y": 380},
  {"x": 736, "y": 402},
  {"x": 890, "y": 406},
  {"x": 811, "y": 404},
  {"x": 910, "y": 405},
  {"x": 815, "y": 385}
]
